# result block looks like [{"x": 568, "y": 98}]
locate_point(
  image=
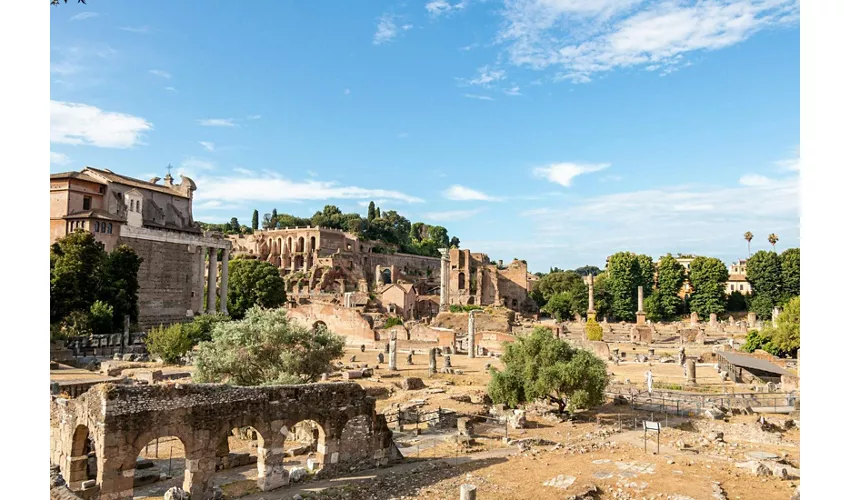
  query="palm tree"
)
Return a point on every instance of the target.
[
  {"x": 749, "y": 237},
  {"x": 772, "y": 238}
]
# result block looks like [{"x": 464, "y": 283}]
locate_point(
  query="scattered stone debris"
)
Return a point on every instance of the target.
[
  {"x": 412, "y": 384},
  {"x": 175, "y": 493},
  {"x": 585, "y": 492},
  {"x": 561, "y": 482}
]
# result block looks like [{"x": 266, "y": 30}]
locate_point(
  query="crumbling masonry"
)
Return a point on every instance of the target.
[{"x": 120, "y": 420}]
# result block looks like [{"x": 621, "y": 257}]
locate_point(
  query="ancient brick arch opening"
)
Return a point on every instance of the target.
[
  {"x": 161, "y": 455},
  {"x": 300, "y": 247},
  {"x": 82, "y": 461}
]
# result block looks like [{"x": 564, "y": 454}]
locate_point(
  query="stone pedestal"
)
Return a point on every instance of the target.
[
  {"x": 640, "y": 318},
  {"x": 751, "y": 320},
  {"x": 641, "y": 334}
]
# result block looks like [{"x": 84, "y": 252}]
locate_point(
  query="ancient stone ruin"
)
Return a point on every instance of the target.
[{"x": 119, "y": 420}]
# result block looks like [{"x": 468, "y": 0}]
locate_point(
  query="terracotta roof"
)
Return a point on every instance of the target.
[
  {"x": 737, "y": 277},
  {"x": 406, "y": 286},
  {"x": 745, "y": 361},
  {"x": 129, "y": 181},
  {"x": 76, "y": 175},
  {"x": 94, "y": 214}
]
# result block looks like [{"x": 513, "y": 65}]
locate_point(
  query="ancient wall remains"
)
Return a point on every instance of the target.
[
  {"x": 340, "y": 320},
  {"x": 120, "y": 420}
]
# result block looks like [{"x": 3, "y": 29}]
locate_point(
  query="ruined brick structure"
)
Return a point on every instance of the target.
[
  {"x": 473, "y": 279},
  {"x": 120, "y": 420},
  {"x": 179, "y": 260},
  {"x": 318, "y": 259}
]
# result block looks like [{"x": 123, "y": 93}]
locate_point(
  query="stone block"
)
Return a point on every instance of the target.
[{"x": 412, "y": 384}]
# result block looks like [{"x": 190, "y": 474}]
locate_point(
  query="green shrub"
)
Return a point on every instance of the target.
[
  {"x": 393, "y": 321},
  {"x": 456, "y": 308},
  {"x": 100, "y": 316},
  {"x": 169, "y": 343},
  {"x": 76, "y": 324},
  {"x": 592, "y": 329},
  {"x": 200, "y": 329}
]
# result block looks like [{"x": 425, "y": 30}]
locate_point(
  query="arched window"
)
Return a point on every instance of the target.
[
  {"x": 461, "y": 281},
  {"x": 109, "y": 228},
  {"x": 96, "y": 226}
]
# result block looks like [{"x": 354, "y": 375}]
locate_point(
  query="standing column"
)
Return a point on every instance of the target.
[
  {"x": 444, "y": 279},
  {"x": 212, "y": 278},
  {"x": 640, "y": 315},
  {"x": 590, "y": 309},
  {"x": 393, "y": 351},
  {"x": 201, "y": 261},
  {"x": 224, "y": 262},
  {"x": 471, "y": 334}
]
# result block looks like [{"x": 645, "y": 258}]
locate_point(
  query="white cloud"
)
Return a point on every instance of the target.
[
  {"x": 388, "y": 30},
  {"x": 486, "y": 76},
  {"x": 171, "y": 89},
  {"x": 142, "y": 30},
  {"x": 209, "y": 146},
  {"x": 461, "y": 193},
  {"x": 451, "y": 215},
  {"x": 73, "y": 123},
  {"x": 59, "y": 159},
  {"x": 160, "y": 73},
  {"x": 244, "y": 171},
  {"x": 440, "y": 7},
  {"x": 477, "y": 96},
  {"x": 708, "y": 220},
  {"x": 312, "y": 173},
  {"x": 254, "y": 117},
  {"x": 754, "y": 180},
  {"x": 217, "y": 122},
  {"x": 611, "y": 178},
  {"x": 82, "y": 16},
  {"x": 564, "y": 173},
  {"x": 512, "y": 91},
  {"x": 274, "y": 188},
  {"x": 791, "y": 164},
  {"x": 585, "y": 37}
]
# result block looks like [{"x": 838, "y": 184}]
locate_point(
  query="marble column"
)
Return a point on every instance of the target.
[
  {"x": 224, "y": 264},
  {"x": 212, "y": 279},
  {"x": 444, "y": 279},
  {"x": 202, "y": 257},
  {"x": 471, "y": 334},
  {"x": 590, "y": 305},
  {"x": 640, "y": 299},
  {"x": 393, "y": 352}
]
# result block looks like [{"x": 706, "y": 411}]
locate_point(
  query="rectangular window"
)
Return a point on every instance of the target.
[{"x": 86, "y": 202}]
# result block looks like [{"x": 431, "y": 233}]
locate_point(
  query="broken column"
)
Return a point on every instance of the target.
[
  {"x": 393, "y": 354},
  {"x": 751, "y": 319},
  {"x": 694, "y": 319},
  {"x": 712, "y": 320},
  {"x": 471, "y": 328},
  {"x": 640, "y": 315},
  {"x": 432, "y": 361},
  {"x": 467, "y": 492},
  {"x": 691, "y": 370}
]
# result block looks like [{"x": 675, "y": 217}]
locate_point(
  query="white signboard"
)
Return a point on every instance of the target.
[{"x": 652, "y": 426}]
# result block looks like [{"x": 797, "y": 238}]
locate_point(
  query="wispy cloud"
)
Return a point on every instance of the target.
[
  {"x": 462, "y": 193},
  {"x": 274, "y": 188},
  {"x": 581, "y": 38},
  {"x": 611, "y": 178},
  {"x": 388, "y": 29},
  {"x": 82, "y": 16},
  {"x": 171, "y": 89},
  {"x": 486, "y": 76},
  {"x": 59, "y": 158},
  {"x": 209, "y": 146},
  {"x": 478, "y": 96},
  {"x": 754, "y": 180},
  {"x": 81, "y": 124},
  {"x": 160, "y": 73},
  {"x": 791, "y": 164},
  {"x": 312, "y": 173},
  {"x": 564, "y": 173},
  {"x": 217, "y": 122},
  {"x": 142, "y": 30},
  {"x": 442, "y": 7},
  {"x": 512, "y": 91},
  {"x": 254, "y": 117},
  {"x": 403, "y": 135},
  {"x": 451, "y": 215}
]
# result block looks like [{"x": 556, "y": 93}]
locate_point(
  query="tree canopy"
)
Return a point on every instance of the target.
[
  {"x": 765, "y": 274},
  {"x": 560, "y": 282},
  {"x": 708, "y": 277},
  {"x": 264, "y": 348},
  {"x": 665, "y": 299},
  {"x": 625, "y": 273},
  {"x": 253, "y": 283},
  {"x": 784, "y": 339},
  {"x": 540, "y": 367}
]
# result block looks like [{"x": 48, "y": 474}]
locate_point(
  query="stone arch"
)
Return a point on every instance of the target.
[
  {"x": 470, "y": 301},
  {"x": 80, "y": 466},
  {"x": 312, "y": 243},
  {"x": 159, "y": 449},
  {"x": 308, "y": 436},
  {"x": 270, "y": 471},
  {"x": 318, "y": 324},
  {"x": 300, "y": 246},
  {"x": 386, "y": 276},
  {"x": 356, "y": 439},
  {"x": 289, "y": 243},
  {"x": 461, "y": 281},
  {"x": 280, "y": 245}
]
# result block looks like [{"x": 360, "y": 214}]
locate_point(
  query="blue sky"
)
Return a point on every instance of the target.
[{"x": 556, "y": 131}]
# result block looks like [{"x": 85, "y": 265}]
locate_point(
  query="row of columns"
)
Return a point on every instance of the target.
[{"x": 212, "y": 279}]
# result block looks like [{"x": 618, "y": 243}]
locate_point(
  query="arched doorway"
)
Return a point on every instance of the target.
[
  {"x": 304, "y": 445},
  {"x": 82, "y": 464},
  {"x": 386, "y": 277},
  {"x": 300, "y": 247},
  {"x": 461, "y": 281},
  {"x": 312, "y": 243},
  {"x": 159, "y": 465}
]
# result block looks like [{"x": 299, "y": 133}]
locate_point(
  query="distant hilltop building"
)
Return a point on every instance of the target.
[{"x": 156, "y": 221}]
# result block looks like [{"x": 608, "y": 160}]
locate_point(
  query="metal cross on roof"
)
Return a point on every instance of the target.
[{"x": 169, "y": 167}]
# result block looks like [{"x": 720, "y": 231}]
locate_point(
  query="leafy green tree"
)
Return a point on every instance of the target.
[
  {"x": 268, "y": 223},
  {"x": 454, "y": 242},
  {"x": 234, "y": 225},
  {"x": 439, "y": 235},
  {"x": 564, "y": 306},
  {"x": 255, "y": 220},
  {"x": 790, "y": 265},
  {"x": 759, "y": 340},
  {"x": 101, "y": 317},
  {"x": 266, "y": 347},
  {"x": 764, "y": 272},
  {"x": 200, "y": 329},
  {"x": 558, "y": 282},
  {"x": 736, "y": 302},
  {"x": 786, "y": 336},
  {"x": 120, "y": 286},
  {"x": 666, "y": 300},
  {"x": 75, "y": 277},
  {"x": 601, "y": 296},
  {"x": 169, "y": 342},
  {"x": 540, "y": 367},
  {"x": 708, "y": 277},
  {"x": 418, "y": 231},
  {"x": 626, "y": 271},
  {"x": 253, "y": 283},
  {"x": 588, "y": 270},
  {"x": 371, "y": 214}
]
